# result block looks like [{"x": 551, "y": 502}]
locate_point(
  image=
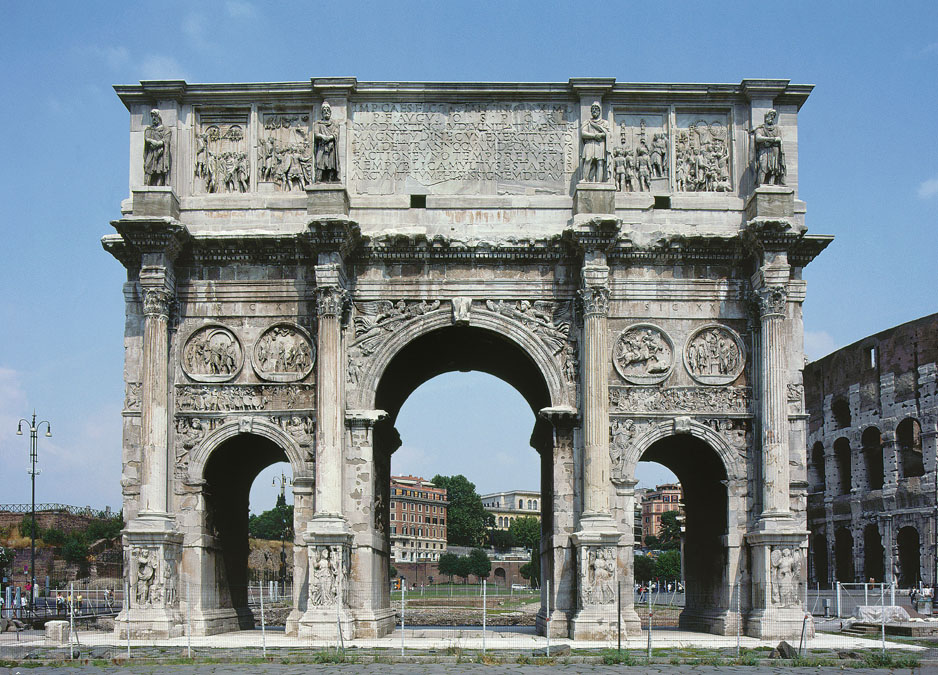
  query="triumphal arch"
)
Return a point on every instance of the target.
[{"x": 301, "y": 256}]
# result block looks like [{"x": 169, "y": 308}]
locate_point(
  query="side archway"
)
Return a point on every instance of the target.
[{"x": 258, "y": 427}]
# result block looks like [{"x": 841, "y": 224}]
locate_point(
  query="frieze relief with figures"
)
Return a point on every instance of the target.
[{"x": 685, "y": 400}]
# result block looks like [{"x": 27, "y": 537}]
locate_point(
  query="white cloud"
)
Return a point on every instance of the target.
[
  {"x": 239, "y": 9},
  {"x": 160, "y": 67},
  {"x": 928, "y": 188},
  {"x": 818, "y": 343}
]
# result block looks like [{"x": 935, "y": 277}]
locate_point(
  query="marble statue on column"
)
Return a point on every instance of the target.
[
  {"x": 326, "y": 140},
  {"x": 593, "y": 135},
  {"x": 769, "y": 160},
  {"x": 156, "y": 151}
]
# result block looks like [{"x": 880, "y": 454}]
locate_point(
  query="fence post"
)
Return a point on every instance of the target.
[
  {"x": 649, "y": 620},
  {"x": 619, "y": 617},
  {"x": 837, "y": 599},
  {"x": 126, "y": 607},
  {"x": 547, "y": 622},
  {"x": 892, "y": 591},
  {"x": 189, "y": 621},
  {"x": 866, "y": 593},
  {"x": 739, "y": 620},
  {"x": 260, "y": 588},
  {"x": 71, "y": 619},
  {"x": 483, "y": 614},
  {"x": 403, "y": 590}
]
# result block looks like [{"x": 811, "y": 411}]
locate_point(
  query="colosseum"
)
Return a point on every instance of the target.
[{"x": 873, "y": 412}]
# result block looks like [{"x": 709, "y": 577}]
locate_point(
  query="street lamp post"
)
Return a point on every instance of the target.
[
  {"x": 284, "y": 482},
  {"x": 33, "y": 458}
]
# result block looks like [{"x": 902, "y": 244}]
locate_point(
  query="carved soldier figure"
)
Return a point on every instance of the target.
[
  {"x": 326, "y": 139},
  {"x": 156, "y": 151},
  {"x": 619, "y": 163},
  {"x": 769, "y": 159},
  {"x": 593, "y": 136}
]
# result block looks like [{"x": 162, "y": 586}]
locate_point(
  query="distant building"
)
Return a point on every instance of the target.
[
  {"x": 655, "y": 502},
  {"x": 418, "y": 520},
  {"x": 506, "y": 506},
  {"x": 637, "y": 522}
]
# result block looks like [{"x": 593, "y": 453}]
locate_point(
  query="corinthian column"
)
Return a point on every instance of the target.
[
  {"x": 330, "y": 303},
  {"x": 772, "y": 302},
  {"x": 155, "y": 395},
  {"x": 596, "y": 462}
]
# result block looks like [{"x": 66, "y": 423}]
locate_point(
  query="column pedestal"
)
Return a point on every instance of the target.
[
  {"x": 597, "y": 555},
  {"x": 328, "y": 541},
  {"x": 779, "y": 577}
]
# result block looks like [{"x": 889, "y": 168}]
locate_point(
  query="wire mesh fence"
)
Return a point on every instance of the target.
[{"x": 263, "y": 620}]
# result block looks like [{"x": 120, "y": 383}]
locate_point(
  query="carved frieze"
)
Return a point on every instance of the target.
[
  {"x": 283, "y": 353},
  {"x": 212, "y": 354},
  {"x": 700, "y": 400},
  {"x": 328, "y": 575},
  {"x": 231, "y": 398},
  {"x": 221, "y": 153},
  {"x": 643, "y": 354},
  {"x": 714, "y": 354},
  {"x": 284, "y": 151},
  {"x": 786, "y": 576},
  {"x": 702, "y": 153},
  {"x": 642, "y": 154},
  {"x": 132, "y": 397},
  {"x": 374, "y": 321}
]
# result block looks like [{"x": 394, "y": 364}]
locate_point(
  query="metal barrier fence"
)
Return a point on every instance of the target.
[{"x": 440, "y": 620}]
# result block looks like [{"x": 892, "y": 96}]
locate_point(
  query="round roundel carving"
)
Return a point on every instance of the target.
[
  {"x": 714, "y": 354},
  {"x": 283, "y": 353},
  {"x": 643, "y": 354},
  {"x": 212, "y": 354}
]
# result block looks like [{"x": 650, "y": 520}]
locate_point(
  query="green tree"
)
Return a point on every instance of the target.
[
  {"x": 532, "y": 570},
  {"x": 104, "y": 528},
  {"x": 467, "y": 519},
  {"x": 526, "y": 531},
  {"x": 75, "y": 550},
  {"x": 652, "y": 542},
  {"x": 6, "y": 559},
  {"x": 392, "y": 572},
  {"x": 54, "y": 537},
  {"x": 670, "y": 532},
  {"x": 463, "y": 567},
  {"x": 273, "y": 524},
  {"x": 501, "y": 540},
  {"x": 668, "y": 565},
  {"x": 448, "y": 564},
  {"x": 479, "y": 563},
  {"x": 644, "y": 568}
]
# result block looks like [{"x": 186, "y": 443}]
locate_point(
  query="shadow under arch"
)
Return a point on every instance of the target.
[
  {"x": 226, "y": 465},
  {"x": 701, "y": 461}
]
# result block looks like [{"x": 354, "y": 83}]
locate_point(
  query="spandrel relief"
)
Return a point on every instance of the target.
[
  {"x": 714, "y": 354},
  {"x": 375, "y": 320},
  {"x": 212, "y": 354},
  {"x": 284, "y": 152},
  {"x": 640, "y": 159},
  {"x": 702, "y": 153},
  {"x": 643, "y": 354},
  {"x": 221, "y": 154},
  {"x": 283, "y": 353}
]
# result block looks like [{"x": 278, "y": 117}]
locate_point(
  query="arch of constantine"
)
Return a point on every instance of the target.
[{"x": 301, "y": 256}]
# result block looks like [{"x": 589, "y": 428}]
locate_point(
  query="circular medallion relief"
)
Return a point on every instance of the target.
[
  {"x": 212, "y": 354},
  {"x": 714, "y": 354},
  {"x": 643, "y": 354},
  {"x": 283, "y": 353}
]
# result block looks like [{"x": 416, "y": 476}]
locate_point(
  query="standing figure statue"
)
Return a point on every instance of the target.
[
  {"x": 156, "y": 151},
  {"x": 326, "y": 140},
  {"x": 769, "y": 159},
  {"x": 593, "y": 136}
]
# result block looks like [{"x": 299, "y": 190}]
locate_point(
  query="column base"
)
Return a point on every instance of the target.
[
  {"x": 327, "y": 199},
  {"x": 153, "y": 548},
  {"x": 714, "y": 621},
  {"x": 324, "y": 623},
  {"x": 596, "y": 622},
  {"x": 145, "y": 624},
  {"x": 594, "y": 198},
  {"x": 779, "y": 624},
  {"x": 216, "y": 621},
  {"x": 374, "y": 623},
  {"x": 559, "y": 624}
]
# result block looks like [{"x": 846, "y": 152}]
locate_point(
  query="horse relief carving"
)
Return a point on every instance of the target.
[{"x": 212, "y": 354}]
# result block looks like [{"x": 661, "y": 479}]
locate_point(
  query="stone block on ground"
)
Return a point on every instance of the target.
[{"x": 57, "y": 631}]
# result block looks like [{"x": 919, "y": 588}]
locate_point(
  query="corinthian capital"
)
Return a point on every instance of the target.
[
  {"x": 595, "y": 300},
  {"x": 156, "y": 302},
  {"x": 331, "y": 300},
  {"x": 771, "y": 300}
]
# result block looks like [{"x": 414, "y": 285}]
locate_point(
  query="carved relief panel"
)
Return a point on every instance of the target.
[
  {"x": 597, "y": 575},
  {"x": 153, "y": 577},
  {"x": 284, "y": 151},
  {"x": 221, "y": 146},
  {"x": 328, "y": 575},
  {"x": 702, "y": 160},
  {"x": 643, "y": 354},
  {"x": 283, "y": 353},
  {"x": 714, "y": 354},
  {"x": 786, "y": 576},
  {"x": 641, "y": 156},
  {"x": 212, "y": 354}
]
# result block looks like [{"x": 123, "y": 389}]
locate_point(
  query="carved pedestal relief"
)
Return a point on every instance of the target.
[
  {"x": 284, "y": 151},
  {"x": 283, "y": 353},
  {"x": 642, "y": 153},
  {"x": 221, "y": 153},
  {"x": 714, "y": 355},
  {"x": 212, "y": 354},
  {"x": 643, "y": 354},
  {"x": 153, "y": 577},
  {"x": 786, "y": 576},
  {"x": 328, "y": 575},
  {"x": 702, "y": 153},
  {"x": 597, "y": 575}
]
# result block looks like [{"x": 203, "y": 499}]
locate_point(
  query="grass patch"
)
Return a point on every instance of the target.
[
  {"x": 611, "y": 657},
  {"x": 890, "y": 660}
]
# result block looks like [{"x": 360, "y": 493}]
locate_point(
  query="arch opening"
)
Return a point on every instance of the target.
[
  {"x": 819, "y": 557},
  {"x": 817, "y": 465},
  {"x": 844, "y": 472},
  {"x": 909, "y": 439},
  {"x": 703, "y": 479},
  {"x": 909, "y": 556},
  {"x": 873, "y": 458},
  {"x": 843, "y": 555},
  {"x": 229, "y": 474},
  {"x": 873, "y": 554}
]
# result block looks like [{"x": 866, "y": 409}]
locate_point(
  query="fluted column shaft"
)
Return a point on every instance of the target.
[
  {"x": 330, "y": 429},
  {"x": 596, "y": 462},
  {"x": 155, "y": 399},
  {"x": 775, "y": 471}
]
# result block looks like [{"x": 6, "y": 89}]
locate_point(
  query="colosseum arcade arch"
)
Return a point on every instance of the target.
[{"x": 304, "y": 307}]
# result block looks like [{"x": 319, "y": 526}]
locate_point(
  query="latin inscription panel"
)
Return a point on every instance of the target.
[{"x": 462, "y": 148}]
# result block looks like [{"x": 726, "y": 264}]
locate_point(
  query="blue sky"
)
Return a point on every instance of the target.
[{"x": 868, "y": 172}]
